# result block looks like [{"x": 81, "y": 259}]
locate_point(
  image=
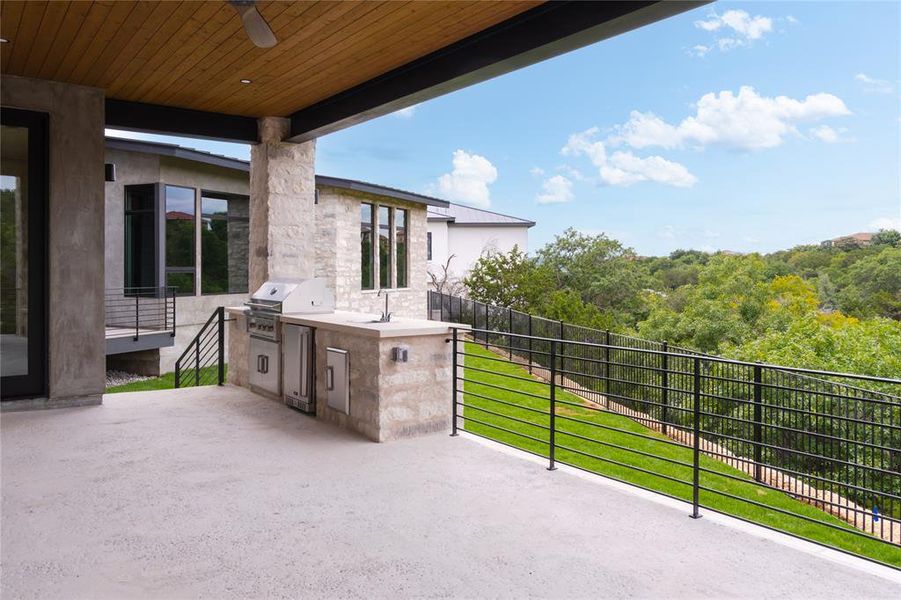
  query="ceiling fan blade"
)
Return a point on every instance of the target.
[{"x": 255, "y": 25}]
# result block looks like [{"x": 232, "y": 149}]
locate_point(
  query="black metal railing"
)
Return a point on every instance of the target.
[
  {"x": 203, "y": 361},
  {"x": 141, "y": 310},
  {"x": 818, "y": 436}
]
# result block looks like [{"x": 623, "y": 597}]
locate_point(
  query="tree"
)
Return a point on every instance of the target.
[
  {"x": 512, "y": 280},
  {"x": 444, "y": 282},
  {"x": 886, "y": 237}
]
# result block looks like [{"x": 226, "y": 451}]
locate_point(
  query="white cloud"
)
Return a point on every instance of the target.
[
  {"x": 738, "y": 28},
  {"x": 668, "y": 232},
  {"x": 874, "y": 86},
  {"x": 624, "y": 168},
  {"x": 406, "y": 113},
  {"x": 536, "y": 171},
  {"x": 886, "y": 223},
  {"x": 824, "y": 133},
  {"x": 555, "y": 190},
  {"x": 745, "y": 121},
  {"x": 739, "y": 21},
  {"x": 468, "y": 182},
  {"x": 572, "y": 172}
]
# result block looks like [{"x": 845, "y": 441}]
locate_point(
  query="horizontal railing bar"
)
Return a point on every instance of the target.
[
  {"x": 507, "y": 375},
  {"x": 707, "y": 358},
  {"x": 651, "y": 438},
  {"x": 506, "y": 389},
  {"x": 503, "y": 416},
  {"x": 625, "y": 465},
  {"x": 474, "y": 420},
  {"x": 624, "y": 448}
]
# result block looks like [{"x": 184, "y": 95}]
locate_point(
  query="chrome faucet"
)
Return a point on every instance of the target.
[{"x": 386, "y": 316}]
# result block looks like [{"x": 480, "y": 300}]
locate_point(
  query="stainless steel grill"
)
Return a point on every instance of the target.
[{"x": 285, "y": 296}]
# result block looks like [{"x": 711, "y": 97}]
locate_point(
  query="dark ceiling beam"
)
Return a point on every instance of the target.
[
  {"x": 540, "y": 33},
  {"x": 169, "y": 120}
]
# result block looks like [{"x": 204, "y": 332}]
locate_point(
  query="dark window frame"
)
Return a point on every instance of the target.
[
  {"x": 214, "y": 195},
  {"x": 373, "y": 246},
  {"x": 406, "y": 252},
  {"x": 163, "y": 242},
  {"x": 428, "y": 243}
]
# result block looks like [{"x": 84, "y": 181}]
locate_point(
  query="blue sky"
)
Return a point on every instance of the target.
[{"x": 740, "y": 126}]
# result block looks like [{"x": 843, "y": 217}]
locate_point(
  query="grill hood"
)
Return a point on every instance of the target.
[{"x": 302, "y": 296}]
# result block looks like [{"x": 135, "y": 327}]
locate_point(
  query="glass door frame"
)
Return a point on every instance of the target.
[{"x": 34, "y": 383}]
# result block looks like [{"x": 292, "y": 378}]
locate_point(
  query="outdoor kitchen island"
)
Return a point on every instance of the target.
[{"x": 398, "y": 373}]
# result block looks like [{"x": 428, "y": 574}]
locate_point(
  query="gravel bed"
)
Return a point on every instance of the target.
[{"x": 114, "y": 378}]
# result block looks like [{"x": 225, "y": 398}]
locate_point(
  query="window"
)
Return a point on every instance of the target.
[
  {"x": 428, "y": 243},
  {"x": 140, "y": 237},
  {"x": 224, "y": 243},
  {"x": 366, "y": 246},
  {"x": 400, "y": 246},
  {"x": 180, "y": 256},
  {"x": 384, "y": 247}
]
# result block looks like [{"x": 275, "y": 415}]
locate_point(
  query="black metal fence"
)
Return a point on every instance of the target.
[
  {"x": 140, "y": 310},
  {"x": 821, "y": 437},
  {"x": 203, "y": 361}
]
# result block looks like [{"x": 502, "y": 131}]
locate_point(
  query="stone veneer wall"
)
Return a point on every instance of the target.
[
  {"x": 389, "y": 400},
  {"x": 338, "y": 254}
]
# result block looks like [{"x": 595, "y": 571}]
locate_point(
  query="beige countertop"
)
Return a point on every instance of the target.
[{"x": 363, "y": 323}]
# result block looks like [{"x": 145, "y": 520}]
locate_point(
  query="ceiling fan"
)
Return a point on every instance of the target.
[{"x": 255, "y": 25}]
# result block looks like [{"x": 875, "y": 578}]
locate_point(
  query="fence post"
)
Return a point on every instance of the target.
[
  {"x": 530, "y": 343},
  {"x": 510, "y": 330},
  {"x": 454, "y": 385},
  {"x": 221, "y": 326},
  {"x": 137, "y": 315},
  {"x": 486, "y": 326},
  {"x": 553, "y": 409},
  {"x": 562, "y": 350},
  {"x": 758, "y": 417},
  {"x": 459, "y": 309},
  {"x": 665, "y": 385},
  {"x": 696, "y": 429},
  {"x": 607, "y": 364},
  {"x": 441, "y": 301},
  {"x": 178, "y": 373},
  {"x": 428, "y": 304}
]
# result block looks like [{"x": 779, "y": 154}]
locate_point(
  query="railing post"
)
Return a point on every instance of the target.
[
  {"x": 174, "y": 312},
  {"x": 221, "y": 326},
  {"x": 486, "y": 326},
  {"x": 665, "y": 385},
  {"x": 758, "y": 417},
  {"x": 178, "y": 373},
  {"x": 454, "y": 385},
  {"x": 553, "y": 409},
  {"x": 137, "y": 315},
  {"x": 696, "y": 429},
  {"x": 197, "y": 361},
  {"x": 165, "y": 308}
]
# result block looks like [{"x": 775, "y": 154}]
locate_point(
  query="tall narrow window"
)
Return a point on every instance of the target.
[
  {"x": 140, "y": 239},
  {"x": 400, "y": 245},
  {"x": 180, "y": 258},
  {"x": 224, "y": 243},
  {"x": 428, "y": 243},
  {"x": 384, "y": 247},
  {"x": 367, "y": 263}
]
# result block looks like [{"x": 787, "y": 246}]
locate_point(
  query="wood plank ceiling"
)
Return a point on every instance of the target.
[{"x": 194, "y": 54}]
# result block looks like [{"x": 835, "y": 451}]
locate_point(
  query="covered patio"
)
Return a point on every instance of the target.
[{"x": 216, "y": 492}]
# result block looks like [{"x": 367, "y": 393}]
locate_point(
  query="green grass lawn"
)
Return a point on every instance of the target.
[
  {"x": 515, "y": 391},
  {"x": 208, "y": 376}
]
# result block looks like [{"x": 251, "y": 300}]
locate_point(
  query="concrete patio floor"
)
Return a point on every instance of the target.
[{"x": 215, "y": 492}]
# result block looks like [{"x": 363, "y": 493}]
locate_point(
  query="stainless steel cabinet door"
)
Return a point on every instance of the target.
[
  {"x": 264, "y": 365},
  {"x": 337, "y": 383},
  {"x": 296, "y": 376}
]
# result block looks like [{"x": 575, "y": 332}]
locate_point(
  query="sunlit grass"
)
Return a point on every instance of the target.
[{"x": 598, "y": 425}]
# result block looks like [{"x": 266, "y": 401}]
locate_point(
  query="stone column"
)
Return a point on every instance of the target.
[{"x": 282, "y": 197}]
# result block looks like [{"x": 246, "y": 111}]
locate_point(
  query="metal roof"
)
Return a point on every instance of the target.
[
  {"x": 174, "y": 150},
  {"x": 459, "y": 214}
]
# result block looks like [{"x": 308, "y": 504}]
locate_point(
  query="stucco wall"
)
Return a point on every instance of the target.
[
  {"x": 338, "y": 254},
  {"x": 76, "y": 342},
  {"x": 469, "y": 243}
]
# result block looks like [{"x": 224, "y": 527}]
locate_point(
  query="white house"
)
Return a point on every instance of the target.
[{"x": 459, "y": 235}]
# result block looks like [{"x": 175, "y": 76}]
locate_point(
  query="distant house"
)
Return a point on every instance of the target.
[
  {"x": 855, "y": 239},
  {"x": 459, "y": 235}
]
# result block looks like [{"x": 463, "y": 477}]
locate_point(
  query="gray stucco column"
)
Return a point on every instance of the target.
[{"x": 282, "y": 197}]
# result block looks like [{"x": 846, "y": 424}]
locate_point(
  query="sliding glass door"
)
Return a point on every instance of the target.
[{"x": 23, "y": 197}]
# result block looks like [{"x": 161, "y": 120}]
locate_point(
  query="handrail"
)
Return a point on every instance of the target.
[
  {"x": 141, "y": 309},
  {"x": 198, "y": 351}
]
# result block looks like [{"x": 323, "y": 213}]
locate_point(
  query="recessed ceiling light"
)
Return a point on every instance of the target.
[
  {"x": 246, "y": 81},
  {"x": 4, "y": 41}
]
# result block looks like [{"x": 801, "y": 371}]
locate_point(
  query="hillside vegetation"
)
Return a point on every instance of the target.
[{"x": 831, "y": 308}]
